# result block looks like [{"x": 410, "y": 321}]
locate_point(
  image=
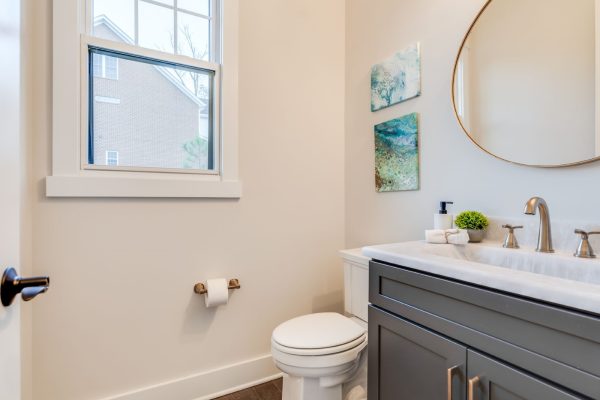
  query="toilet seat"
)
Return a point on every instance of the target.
[
  {"x": 318, "y": 341},
  {"x": 311, "y": 364},
  {"x": 317, "y": 331},
  {"x": 319, "y": 351}
]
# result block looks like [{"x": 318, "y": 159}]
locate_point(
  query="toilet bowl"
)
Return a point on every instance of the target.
[{"x": 318, "y": 353}]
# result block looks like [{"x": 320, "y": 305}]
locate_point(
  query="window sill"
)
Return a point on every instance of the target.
[{"x": 87, "y": 186}]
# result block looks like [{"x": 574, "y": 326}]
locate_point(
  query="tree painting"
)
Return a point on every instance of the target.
[{"x": 396, "y": 79}]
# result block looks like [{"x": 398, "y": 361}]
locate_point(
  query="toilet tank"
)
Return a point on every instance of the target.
[{"x": 356, "y": 283}]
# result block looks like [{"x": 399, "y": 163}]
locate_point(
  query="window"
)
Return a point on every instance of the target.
[
  {"x": 157, "y": 124},
  {"x": 112, "y": 157},
  {"x": 105, "y": 67},
  {"x": 162, "y": 93},
  {"x": 461, "y": 88},
  {"x": 186, "y": 27},
  {"x": 153, "y": 104}
]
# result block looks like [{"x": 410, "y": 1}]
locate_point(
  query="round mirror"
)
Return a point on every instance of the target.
[{"x": 526, "y": 81}]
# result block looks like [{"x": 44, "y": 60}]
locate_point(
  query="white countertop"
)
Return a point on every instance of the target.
[
  {"x": 355, "y": 256},
  {"x": 556, "y": 278}
]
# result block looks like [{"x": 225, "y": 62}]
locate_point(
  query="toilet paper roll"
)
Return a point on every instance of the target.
[{"x": 218, "y": 292}]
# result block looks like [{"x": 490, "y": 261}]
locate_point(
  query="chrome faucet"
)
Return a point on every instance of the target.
[{"x": 545, "y": 235}]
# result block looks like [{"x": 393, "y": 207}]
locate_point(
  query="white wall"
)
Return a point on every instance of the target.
[
  {"x": 121, "y": 313},
  {"x": 452, "y": 168}
]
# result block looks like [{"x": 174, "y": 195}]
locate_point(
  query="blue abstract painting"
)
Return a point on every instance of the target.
[
  {"x": 397, "y": 154},
  {"x": 396, "y": 79}
]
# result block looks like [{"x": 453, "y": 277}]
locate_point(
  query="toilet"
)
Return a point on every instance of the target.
[{"x": 323, "y": 355}]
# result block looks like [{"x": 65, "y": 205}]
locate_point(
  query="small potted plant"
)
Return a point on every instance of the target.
[{"x": 474, "y": 222}]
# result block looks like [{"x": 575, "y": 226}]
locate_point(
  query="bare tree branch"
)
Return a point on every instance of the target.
[{"x": 186, "y": 77}]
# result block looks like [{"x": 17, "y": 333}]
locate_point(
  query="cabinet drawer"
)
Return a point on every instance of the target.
[{"x": 560, "y": 345}]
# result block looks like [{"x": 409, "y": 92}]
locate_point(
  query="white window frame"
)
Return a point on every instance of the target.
[
  {"x": 71, "y": 177},
  {"x": 107, "y": 100}
]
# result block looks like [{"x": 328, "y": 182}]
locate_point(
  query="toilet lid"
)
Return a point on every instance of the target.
[
  {"x": 317, "y": 331},
  {"x": 319, "y": 352}
]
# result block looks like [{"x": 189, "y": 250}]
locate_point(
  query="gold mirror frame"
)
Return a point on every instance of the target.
[{"x": 454, "y": 107}]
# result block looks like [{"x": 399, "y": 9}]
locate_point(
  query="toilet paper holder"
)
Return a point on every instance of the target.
[{"x": 200, "y": 288}]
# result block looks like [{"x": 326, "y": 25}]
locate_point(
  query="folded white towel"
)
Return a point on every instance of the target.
[
  {"x": 436, "y": 236},
  {"x": 451, "y": 236},
  {"x": 460, "y": 238}
]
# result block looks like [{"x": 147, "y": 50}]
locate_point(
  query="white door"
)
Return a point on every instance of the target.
[{"x": 10, "y": 192}]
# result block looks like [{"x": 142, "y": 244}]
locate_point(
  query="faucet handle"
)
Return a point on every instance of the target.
[
  {"x": 584, "y": 234},
  {"x": 510, "y": 241},
  {"x": 584, "y": 250},
  {"x": 511, "y": 228}
]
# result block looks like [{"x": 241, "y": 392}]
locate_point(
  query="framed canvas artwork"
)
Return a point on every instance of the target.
[
  {"x": 396, "y": 79},
  {"x": 397, "y": 154}
]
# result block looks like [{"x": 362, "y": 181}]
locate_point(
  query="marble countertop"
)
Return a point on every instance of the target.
[{"x": 557, "y": 278}]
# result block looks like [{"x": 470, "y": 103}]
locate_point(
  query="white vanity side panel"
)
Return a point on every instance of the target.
[
  {"x": 356, "y": 283},
  {"x": 360, "y": 291},
  {"x": 347, "y": 284}
]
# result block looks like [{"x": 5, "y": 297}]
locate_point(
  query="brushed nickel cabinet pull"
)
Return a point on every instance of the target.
[
  {"x": 472, "y": 383},
  {"x": 449, "y": 374}
]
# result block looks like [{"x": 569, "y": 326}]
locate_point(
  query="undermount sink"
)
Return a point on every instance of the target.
[
  {"x": 556, "y": 278},
  {"x": 550, "y": 264}
]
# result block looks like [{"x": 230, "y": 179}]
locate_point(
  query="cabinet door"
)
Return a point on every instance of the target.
[
  {"x": 491, "y": 380},
  {"x": 408, "y": 362}
]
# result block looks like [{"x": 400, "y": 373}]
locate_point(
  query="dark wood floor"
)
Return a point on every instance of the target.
[{"x": 266, "y": 391}]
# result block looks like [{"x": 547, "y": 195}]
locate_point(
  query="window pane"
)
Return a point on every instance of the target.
[
  {"x": 162, "y": 119},
  {"x": 111, "y": 67},
  {"x": 193, "y": 36},
  {"x": 114, "y": 20},
  {"x": 197, "y": 6},
  {"x": 156, "y": 27},
  {"x": 165, "y": 2},
  {"x": 112, "y": 158},
  {"x": 97, "y": 63}
]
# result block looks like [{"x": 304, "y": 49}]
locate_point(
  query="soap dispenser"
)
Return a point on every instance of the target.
[{"x": 443, "y": 220}]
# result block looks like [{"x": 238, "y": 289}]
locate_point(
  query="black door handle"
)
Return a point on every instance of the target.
[
  {"x": 12, "y": 284},
  {"x": 30, "y": 292}
]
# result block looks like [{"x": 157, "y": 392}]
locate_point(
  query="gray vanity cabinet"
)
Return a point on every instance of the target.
[
  {"x": 412, "y": 363},
  {"x": 425, "y": 329}
]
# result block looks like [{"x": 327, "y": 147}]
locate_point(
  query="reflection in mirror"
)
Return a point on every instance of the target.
[{"x": 525, "y": 81}]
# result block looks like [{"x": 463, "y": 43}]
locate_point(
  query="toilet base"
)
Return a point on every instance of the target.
[
  {"x": 346, "y": 381},
  {"x": 295, "y": 388}
]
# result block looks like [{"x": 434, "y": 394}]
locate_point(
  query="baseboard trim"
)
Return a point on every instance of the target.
[{"x": 210, "y": 384}]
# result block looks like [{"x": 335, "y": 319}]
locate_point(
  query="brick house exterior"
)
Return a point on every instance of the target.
[{"x": 143, "y": 113}]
